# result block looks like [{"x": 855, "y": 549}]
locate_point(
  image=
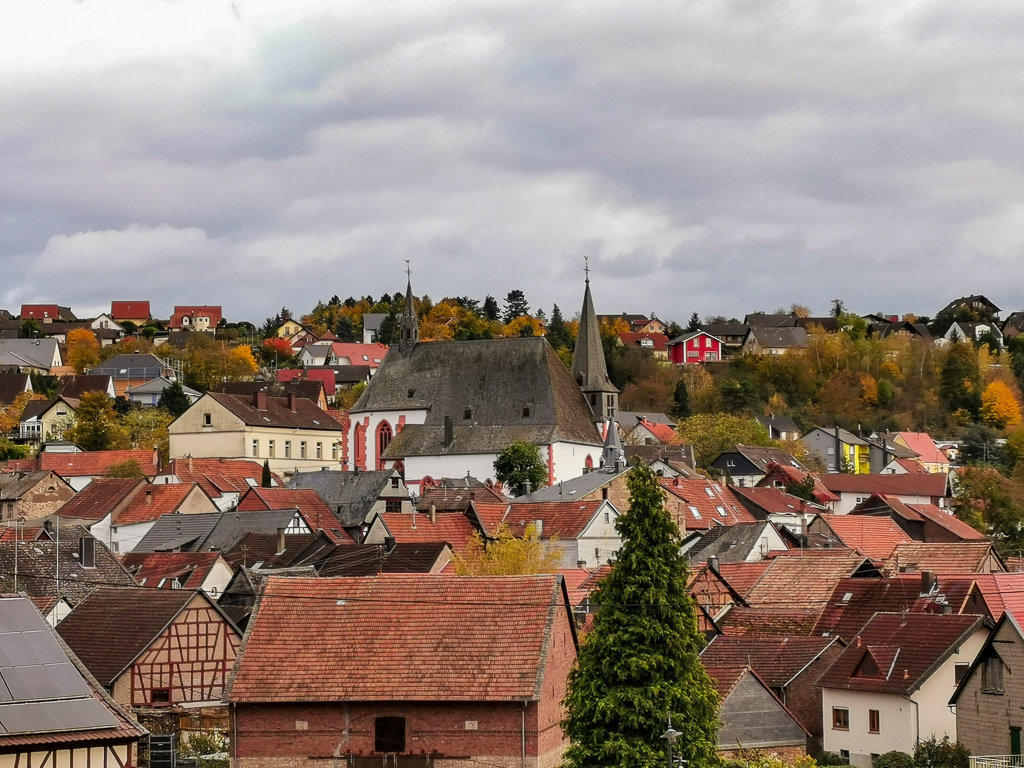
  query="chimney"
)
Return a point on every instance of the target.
[
  {"x": 156, "y": 456},
  {"x": 189, "y": 462},
  {"x": 713, "y": 563},
  {"x": 449, "y": 432},
  {"x": 280, "y": 540},
  {"x": 433, "y": 513},
  {"x": 581, "y": 564},
  {"x": 149, "y": 496},
  {"x": 527, "y": 487},
  {"x": 472, "y": 495},
  {"x": 259, "y": 400},
  {"x": 291, "y": 402}
]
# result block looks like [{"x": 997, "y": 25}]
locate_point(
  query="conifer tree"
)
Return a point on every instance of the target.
[
  {"x": 694, "y": 324},
  {"x": 681, "y": 399},
  {"x": 640, "y": 662},
  {"x": 266, "y": 481}
]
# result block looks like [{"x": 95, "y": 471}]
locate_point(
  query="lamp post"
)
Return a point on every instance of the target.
[{"x": 671, "y": 736}]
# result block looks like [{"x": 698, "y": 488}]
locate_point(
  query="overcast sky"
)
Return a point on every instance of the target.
[{"x": 713, "y": 156}]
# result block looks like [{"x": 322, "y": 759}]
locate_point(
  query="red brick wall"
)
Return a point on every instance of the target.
[
  {"x": 560, "y": 658},
  {"x": 803, "y": 698}
]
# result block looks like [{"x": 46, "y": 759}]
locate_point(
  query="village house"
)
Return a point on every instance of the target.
[
  {"x": 779, "y": 427},
  {"x": 154, "y": 647},
  {"x": 12, "y": 385},
  {"x": 582, "y": 531},
  {"x": 972, "y": 332},
  {"x": 133, "y": 370},
  {"x": 310, "y": 390},
  {"x": 208, "y": 571},
  {"x": 31, "y": 495},
  {"x": 853, "y": 490},
  {"x": 195, "y": 318},
  {"x": 456, "y": 529},
  {"x": 79, "y": 468},
  {"x": 889, "y": 689},
  {"x": 853, "y": 452},
  {"x": 926, "y": 523},
  {"x": 62, "y": 715},
  {"x": 31, "y": 356},
  {"x": 355, "y": 497},
  {"x": 445, "y": 408},
  {"x": 765, "y": 340},
  {"x": 960, "y": 557},
  {"x": 46, "y": 313},
  {"x": 148, "y": 395},
  {"x": 927, "y": 452},
  {"x": 695, "y": 348},
  {"x": 740, "y": 542},
  {"x": 475, "y": 683},
  {"x": 371, "y": 326},
  {"x": 655, "y": 343},
  {"x": 873, "y": 537},
  {"x": 45, "y": 420},
  {"x": 135, "y": 312},
  {"x": 224, "y": 480},
  {"x": 635, "y": 323},
  {"x": 290, "y": 433},
  {"x": 317, "y": 515},
  {"x": 747, "y": 465}
]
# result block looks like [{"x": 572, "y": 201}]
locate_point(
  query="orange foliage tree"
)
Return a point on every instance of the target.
[
  {"x": 83, "y": 349},
  {"x": 998, "y": 406}
]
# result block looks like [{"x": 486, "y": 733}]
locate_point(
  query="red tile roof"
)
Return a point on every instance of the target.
[
  {"x": 785, "y": 473},
  {"x": 774, "y": 501},
  {"x": 663, "y": 432},
  {"x": 776, "y": 660},
  {"x": 931, "y": 485},
  {"x": 311, "y": 506},
  {"x": 98, "y": 498},
  {"x": 1002, "y": 592},
  {"x": 218, "y": 476},
  {"x": 490, "y": 516},
  {"x": 659, "y": 341},
  {"x": 705, "y": 504},
  {"x": 742, "y": 576},
  {"x": 129, "y": 310},
  {"x": 947, "y": 520},
  {"x": 39, "y": 312},
  {"x": 922, "y": 444},
  {"x": 768, "y": 621},
  {"x": 906, "y": 647},
  {"x": 406, "y": 638},
  {"x": 360, "y": 354},
  {"x": 324, "y": 375},
  {"x": 447, "y": 499},
  {"x": 214, "y": 313},
  {"x": 24, "y": 533},
  {"x": 950, "y": 557},
  {"x": 454, "y": 528},
  {"x": 913, "y": 466},
  {"x": 797, "y": 578},
  {"x": 153, "y": 502},
  {"x": 95, "y": 463},
  {"x": 564, "y": 519},
  {"x": 725, "y": 679},
  {"x": 149, "y": 568},
  {"x": 874, "y": 537},
  {"x": 575, "y": 578}
]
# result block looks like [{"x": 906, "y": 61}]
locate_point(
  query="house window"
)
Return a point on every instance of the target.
[
  {"x": 207, "y": 419},
  {"x": 255, "y": 447},
  {"x": 604, "y": 493},
  {"x": 844, "y": 755},
  {"x": 868, "y": 667},
  {"x": 992, "y": 676},
  {"x": 840, "y": 719},
  {"x": 873, "y": 721},
  {"x": 87, "y": 552},
  {"x": 394, "y": 482},
  {"x": 384, "y": 435},
  {"x": 160, "y": 696},
  {"x": 960, "y": 672},
  {"x": 392, "y": 505},
  {"x": 302, "y": 449},
  {"x": 270, "y": 448},
  {"x": 319, "y": 450},
  {"x": 389, "y": 734},
  {"x": 607, "y": 516},
  {"x": 695, "y": 513},
  {"x": 334, "y": 451},
  {"x": 287, "y": 449}
]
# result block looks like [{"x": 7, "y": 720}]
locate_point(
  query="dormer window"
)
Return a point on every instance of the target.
[
  {"x": 868, "y": 667},
  {"x": 467, "y": 413},
  {"x": 528, "y": 410}
]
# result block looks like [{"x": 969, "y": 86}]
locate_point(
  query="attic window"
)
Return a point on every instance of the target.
[
  {"x": 528, "y": 410},
  {"x": 467, "y": 413},
  {"x": 710, "y": 493},
  {"x": 695, "y": 513},
  {"x": 720, "y": 510},
  {"x": 868, "y": 667}
]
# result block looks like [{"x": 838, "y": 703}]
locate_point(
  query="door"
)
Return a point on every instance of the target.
[{"x": 1015, "y": 744}]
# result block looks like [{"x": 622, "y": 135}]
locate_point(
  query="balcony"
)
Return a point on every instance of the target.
[{"x": 997, "y": 761}]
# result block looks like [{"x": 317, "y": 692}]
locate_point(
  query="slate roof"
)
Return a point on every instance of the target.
[
  {"x": 574, "y": 488},
  {"x": 94, "y": 463},
  {"x": 778, "y": 338},
  {"x": 76, "y": 386},
  {"x": 14, "y": 485},
  {"x": 158, "y": 385},
  {"x": 318, "y": 516},
  {"x": 113, "y": 625},
  {"x": 855, "y": 601},
  {"x": 908, "y": 648},
  {"x": 28, "y": 353},
  {"x": 874, "y": 537},
  {"x": 947, "y": 557},
  {"x": 778, "y": 424},
  {"x": 968, "y": 301},
  {"x": 350, "y": 495},
  {"x": 776, "y": 660},
  {"x": 37, "y": 567},
  {"x": 763, "y": 457},
  {"x": 453, "y": 528},
  {"x": 931, "y": 485},
  {"x": 12, "y": 385},
  {"x": 452, "y": 639},
  {"x": 179, "y": 531},
  {"x": 765, "y": 320},
  {"x": 152, "y": 502},
  {"x": 802, "y": 577},
  {"x": 374, "y": 559},
  {"x": 497, "y": 379},
  {"x": 149, "y": 568},
  {"x": 729, "y": 543},
  {"x": 218, "y": 476},
  {"x": 232, "y": 527},
  {"x": 566, "y": 519},
  {"x": 307, "y": 414},
  {"x": 98, "y": 498},
  {"x": 588, "y": 364}
]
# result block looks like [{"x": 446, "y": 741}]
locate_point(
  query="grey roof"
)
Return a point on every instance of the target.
[
  {"x": 12, "y": 385},
  {"x": 692, "y": 334},
  {"x": 36, "y": 408},
  {"x": 762, "y": 320},
  {"x": 17, "y": 484},
  {"x": 307, "y": 414},
  {"x": 612, "y": 452},
  {"x": 761, "y": 456},
  {"x": 495, "y": 379},
  {"x": 778, "y": 338},
  {"x": 588, "y": 363},
  {"x": 729, "y": 543},
  {"x": 372, "y": 320},
  {"x": 725, "y": 329},
  {"x": 171, "y": 532},
  {"x": 132, "y": 366},
  {"x": 32, "y": 353},
  {"x": 232, "y": 527},
  {"x": 374, "y": 559},
  {"x": 845, "y": 435},
  {"x": 679, "y": 454},
  {"x": 576, "y": 488},
  {"x": 409, "y": 327},
  {"x": 778, "y": 424},
  {"x": 349, "y": 494},
  {"x": 309, "y": 389},
  {"x": 158, "y": 385},
  {"x": 629, "y": 419},
  {"x": 967, "y": 301}
]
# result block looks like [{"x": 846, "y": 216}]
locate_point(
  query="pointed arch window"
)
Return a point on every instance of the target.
[{"x": 384, "y": 435}]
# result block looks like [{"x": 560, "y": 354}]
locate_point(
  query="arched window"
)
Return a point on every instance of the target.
[
  {"x": 426, "y": 484},
  {"x": 359, "y": 460},
  {"x": 399, "y": 467},
  {"x": 589, "y": 463},
  {"x": 384, "y": 435}
]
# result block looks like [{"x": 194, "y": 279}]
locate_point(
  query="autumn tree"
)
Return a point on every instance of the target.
[
  {"x": 508, "y": 555},
  {"x": 640, "y": 663},
  {"x": 96, "y": 426},
  {"x": 999, "y": 407},
  {"x": 276, "y": 350},
  {"x": 712, "y": 433},
  {"x": 83, "y": 349},
  {"x": 992, "y": 504},
  {"x": 519, "y": 465},
  {"x": 129, "y": 468}
]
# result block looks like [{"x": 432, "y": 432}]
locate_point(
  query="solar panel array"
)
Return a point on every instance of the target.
[{"x": 41, "y": 690}]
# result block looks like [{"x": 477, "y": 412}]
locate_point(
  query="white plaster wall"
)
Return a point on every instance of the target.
[
  {"x": 218, "y": 578},
  {"x": 847, "y": 501},
  {"x": 570, "y": 458},
  {"x": 124, "y": 538},
  {"x": 100, "y": 531},
  {"x": 937, "y": 718},
  {"x": 478, "y": 465},
  {"x": 896, "y": 724},
  {"x": 376, "y": 417}
]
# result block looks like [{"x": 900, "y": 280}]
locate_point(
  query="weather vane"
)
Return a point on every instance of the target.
[
  {"x": 586, "y": 266},
  {"x": 408, "y": 269}
]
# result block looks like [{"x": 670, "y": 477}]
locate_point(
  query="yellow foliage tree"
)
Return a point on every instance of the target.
[
  {"x": 517, "y": 327},
  {"x": 10, "y": 417},
  {"x": 868, "y": 389},
  {"x": 241, "y": 363},
  {"x": 507, "y": 555},
  {"x": 83, "y": 349},
  {"x": 998, "y": 406}
]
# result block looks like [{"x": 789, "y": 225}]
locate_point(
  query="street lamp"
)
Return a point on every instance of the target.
[{"x": 671, "y": 736}]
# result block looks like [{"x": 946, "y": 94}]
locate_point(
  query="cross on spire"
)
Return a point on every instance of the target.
[
  {"x": 408, "y": 270},
  {"x": 586, "y": 266}
]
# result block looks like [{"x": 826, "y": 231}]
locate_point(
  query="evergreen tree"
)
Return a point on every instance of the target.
[
  {"x": 960, "y": 382},
  {"x": 694, "y": 324},
  {"x": 640, "y": 663},
  {"x": 520, "y": 463},
  {"x": 515, "y": 306},
  {"x": 265, "y": 479},
  {"x": 681, "y": 399},
  {"x": 490, "y": 310},
  {"x": 344, "y": 329},
  {"x": 389, "y": 330},
  {"x": 558, "y": 333},
  {"x": 174, "y": 400}
]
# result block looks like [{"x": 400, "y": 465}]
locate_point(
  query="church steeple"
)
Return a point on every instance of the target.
[
  {"x": 410, "y": 330},
  {"x": 588, "y": 364}
]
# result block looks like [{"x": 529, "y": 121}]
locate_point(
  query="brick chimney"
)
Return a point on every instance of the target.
[
  {"x": 149, "y": 496},
  {"x": 291, "y": 402},
  {"x": 259, "y": 400}
]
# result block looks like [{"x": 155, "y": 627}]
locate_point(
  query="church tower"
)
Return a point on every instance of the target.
[
  {"x": 410, "y": 330},
  {"x": 588, "y": 364}
]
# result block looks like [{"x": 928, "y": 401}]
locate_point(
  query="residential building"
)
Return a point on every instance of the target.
[
  {"x": 635, "y": 323},
  {"x": 290, "y": 433},
  {"x": 136, "y": 312},
  {"x": 309, "y": 389},
  {"x": 208, "y": 571},
  {"x": 927, "y": 451},
  {"x": 747, "y": 465},
  {"x": 443, "y": 409},
  {"x": 780, "y": 476},
  {"x": 973, "y": 332},
  {"x": 731, "y": 334},
  {"x": 770, "y": 340},
  {"x": 873, "y": 537},
  {"x": 655, "y": 343},
  {"x": 30, "y": 355},
  {"x": 31, "y": 495},
  {"x": 456, "y": 529},
  {"x": 355, "y": 497},
  {"x": 695, "y": 347},
  {"x": 45, "y": 420},
  {"x": 134, "y": 370},
  {"x": 12, "y": 385},
  {"x": 779, "y": 427},
  {"x": 195, "y": 318},
  {"x": 889, "y": 689},
  {"x": 59, "y": 715},
  {"x": 148, "y": 395},
  {"x": 371, "y": 326},
  {"x": 975, "y": 306},
  {"x": 121, "y": 532},
  {"x": 839, "y": 450},
  {"x": 853, "y": 490},
  {"x": 82, "y": 467},
  {"x": 701, "y": 504},
  {"x": 582, "y": 531},
  {"x": 738, "y": 543},
  {"x": 224, "y": 480},
  {"x": 960, "y": 557},
  {"x": 78, "y": 385},
  {"x": 131, "y": 640},
  {"x": 316, "y": 514},
  {"x": 481, "y": 683},
  {"x": 926, "y": 523},
  {"x": 46, "y": 313}
]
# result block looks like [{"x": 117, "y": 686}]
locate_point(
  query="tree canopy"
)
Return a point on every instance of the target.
[
  {"x": 507, "y": 555},
  {"x": 520, "y": 463}
]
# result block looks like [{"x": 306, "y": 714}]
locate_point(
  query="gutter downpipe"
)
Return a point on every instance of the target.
[
  {"x": 917, "y": 720},
  {"x": 523, "y": 732}
]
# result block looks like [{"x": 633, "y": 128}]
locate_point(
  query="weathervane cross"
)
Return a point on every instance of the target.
[
  {"x": 408, "y": 269},
  {"x": 586, "y": 266}
]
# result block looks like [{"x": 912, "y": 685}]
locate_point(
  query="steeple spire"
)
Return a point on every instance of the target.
[
  {"x": 588, "y": 364},
  {"x": 410, "y": 330},
  {"x": 613, "y": 458}
]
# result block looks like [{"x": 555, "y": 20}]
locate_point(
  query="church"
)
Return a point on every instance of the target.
[{"x": 448, "y": 408}]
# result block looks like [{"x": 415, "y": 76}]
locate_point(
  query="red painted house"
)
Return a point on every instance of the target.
[
  {"x": 432, "y": 669},
  {"x": 695, "y": 347}
]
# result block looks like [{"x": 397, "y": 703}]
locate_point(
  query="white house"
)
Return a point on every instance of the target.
[{"x": 582, "y": 531}]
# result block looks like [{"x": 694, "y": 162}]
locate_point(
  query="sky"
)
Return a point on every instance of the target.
[{"x": 719, "y": 156}]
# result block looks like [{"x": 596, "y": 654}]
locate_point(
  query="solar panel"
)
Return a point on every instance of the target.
[{"x": 49, "y": 716}]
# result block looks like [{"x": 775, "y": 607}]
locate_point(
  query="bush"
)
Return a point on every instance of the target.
[
  {"x": 199, "y": 744},
  {"x": 933, "y": 753},
  {"x": 894, "y": 759}
]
